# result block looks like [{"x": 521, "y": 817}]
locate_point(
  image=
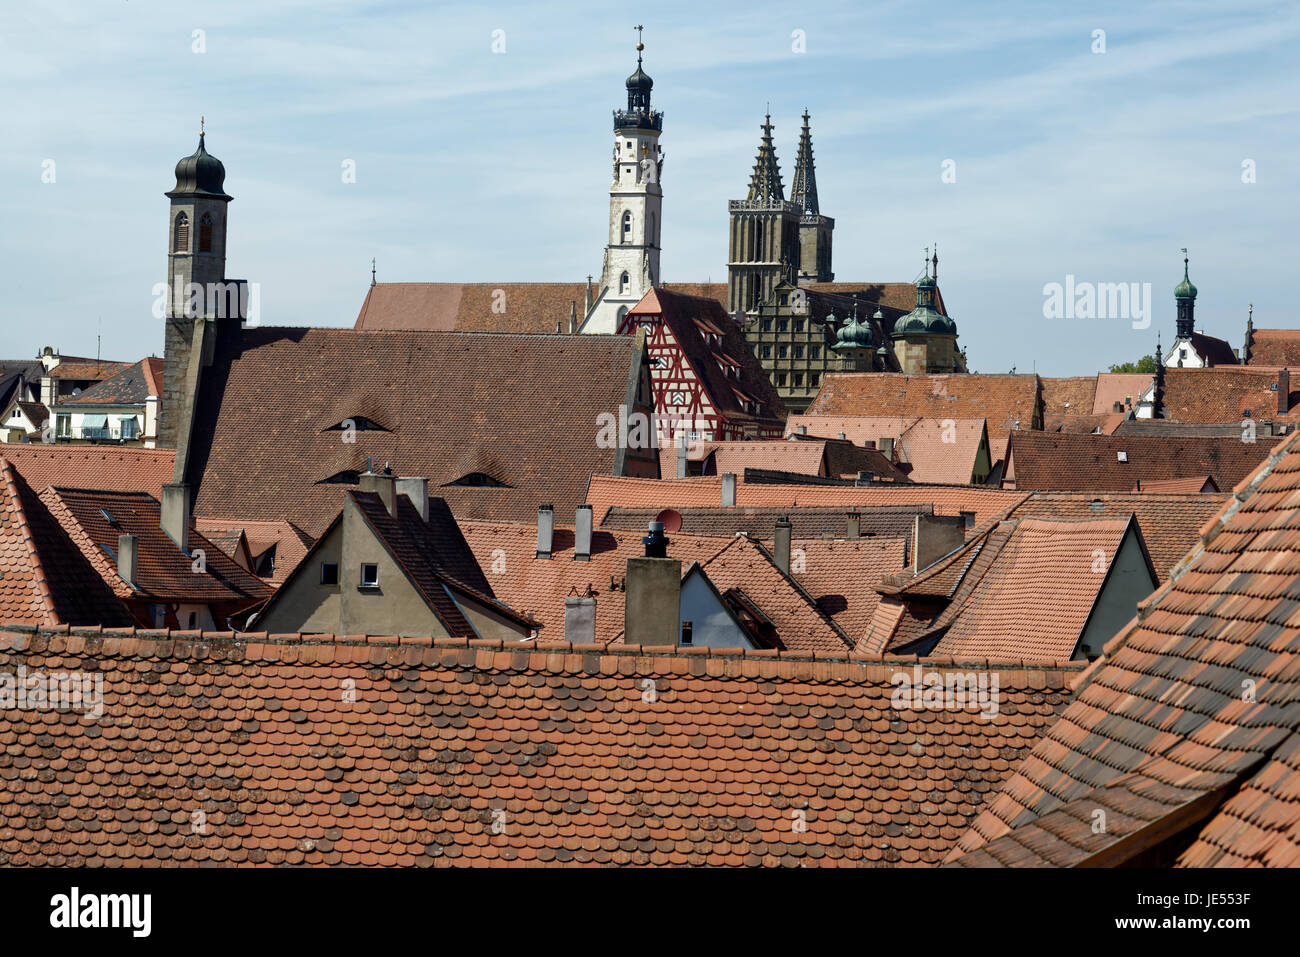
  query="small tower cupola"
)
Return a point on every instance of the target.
[
  {"x": 639, "y": 83},
  {"x": 200, "y": 174},
  {"x": 1185, "y": 297}
]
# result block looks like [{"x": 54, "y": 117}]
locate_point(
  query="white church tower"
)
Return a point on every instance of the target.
[{"x": 635, "y": 201}]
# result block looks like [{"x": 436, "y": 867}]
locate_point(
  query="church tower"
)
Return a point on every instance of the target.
[
  {"x": 631, "y": 266},
  {"x": 196, "y": 259},
  {"x": 814, "y": 228},
  {"x": 764, "y": 241}
]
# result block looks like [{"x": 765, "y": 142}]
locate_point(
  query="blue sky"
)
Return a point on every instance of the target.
[{"x": 475, "y": 166}]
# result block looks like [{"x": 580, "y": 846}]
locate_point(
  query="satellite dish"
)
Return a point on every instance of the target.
[{"x": 671, "y": 518}]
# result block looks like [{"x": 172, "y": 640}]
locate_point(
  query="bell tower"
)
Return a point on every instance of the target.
[{"x": 631, "y": 266}]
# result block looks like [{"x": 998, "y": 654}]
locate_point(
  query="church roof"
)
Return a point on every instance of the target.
[
  {"x": 803, "y": 190},
  {"x": 765, "y": 181},
  {"x": 520, "y": 307}
]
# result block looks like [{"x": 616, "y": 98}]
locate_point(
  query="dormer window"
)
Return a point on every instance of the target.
[
  {"x": 346, "y": 477},
  {"x": 357, "y": 423},
  {"x": 476, "y": 480}
]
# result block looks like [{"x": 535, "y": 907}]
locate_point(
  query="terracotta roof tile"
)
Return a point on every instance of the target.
[
  {"x": 1275, "y": 347},
  {"x": 1126, "y": 388},
  {"x": 518, "y": 307},
  {"x": 1223, "y": 394},
  {"x": 495, "y": 754},
  {"x": 92, "y": 466},
  {"x": 130, "y": 386},
  {"x": 943, "y": 451},
  {"x": 1075, "y": 395}
]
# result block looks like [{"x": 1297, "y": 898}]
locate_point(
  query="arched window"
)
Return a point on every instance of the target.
[
  {"x": 623, "y": 282},
  {"x": 627, "y": 228},
  {"x": 622, "y": 313},
  {"x": 181, "y": 242},
  {"x": 205, "y": 233}
]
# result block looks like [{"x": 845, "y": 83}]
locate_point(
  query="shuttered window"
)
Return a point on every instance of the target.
[
  {"x": 182, "y": 244},
  {"x": 205, "y": 233}
]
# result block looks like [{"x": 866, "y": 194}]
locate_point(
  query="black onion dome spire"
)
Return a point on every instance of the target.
[
  {"x": 200, "y": 174},
  {"x": 639, "y": 83}
]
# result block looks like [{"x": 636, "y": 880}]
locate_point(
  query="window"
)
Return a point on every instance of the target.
[
  {"x": 346, "y": 477},
  {"x": 780, "y": 380},
  {"x": 814, "y": 352},
  {"x": 785, "y": 299},
  {"x": 629, "y": 144},
  {"x": 193, "y": 620},
  {"x": 205, "y": 233},
  {"x": 181, "y": 242},
  {"x": 627, "y": 229},
  {"x": 767, "y": 352},
  {"x": 782, "y": 325},
  {"x": 688, "y": 632},
  {"x": 63, "y": 428},
  {"x": 369, "y": 575},
  {"x": 814, "y": 379},
  {"x": 781, "y": 352},
  {"x": 130, "y": 428},
  {"x": 477, "y": 480},
  {"x": 329, "y": 573},
  {"x": 798, "y": 380},
  {"x": 798, "y": 352},
  {"x": 623, "y": 282},
  {"x": 798, "y": 325},
  {"x": 767, "y": 325}
]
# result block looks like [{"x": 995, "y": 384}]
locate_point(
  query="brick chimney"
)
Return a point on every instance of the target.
[
  {"x": 416, "y": 488},
  {"x": 382, "y": 484},
  {"x": 582, "y": 535},
  {"x": 1283, "y": 390},
  {"x": 652, "y": 606},
  {"x": 545, "y": 530},
  {"x": 128, "y": 559},
  {"x": 781, "y": 543}
]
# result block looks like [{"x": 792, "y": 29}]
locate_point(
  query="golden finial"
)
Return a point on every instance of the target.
[{"x": 639, "y": 45}]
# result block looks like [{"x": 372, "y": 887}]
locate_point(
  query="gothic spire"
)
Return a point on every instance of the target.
[
  {"x": 803, "y": 191},
  {"x": 765, "y": 183}
]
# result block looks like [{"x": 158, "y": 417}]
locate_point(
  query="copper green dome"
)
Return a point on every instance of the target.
[
  {"x": 925, "y": 319},
  {"x": 854, "y": 335},
  {"x": 1185, "y": 289}
]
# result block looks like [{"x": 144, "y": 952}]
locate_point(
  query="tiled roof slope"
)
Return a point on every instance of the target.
[
  {"x": 131, "y": 386},
  {"x": 521, "y": 409},
  {"x": 1002, "y": 400},
  {"x": 93, "y": 466},
  {"x": 44, "y": 579},
  {"x": 606, "y": 491},
  {"x": 1170, "y": 524},
  {"x": 830, "y": 458},
  {"x": 164, "y": 572},
  {"x": 1074, "y": 395},
  {"x": 922, "y": 445},
  {"x": 289, "y": 541},
  {"x": 1217, "y": 351},
  {"x": 1126, "y": 388},
  {"x": 1035, "y": 599},
  {"x": 1223, "y": 394},
  {"x": 556, "y": 746},
  {"x": 680, "y": 313},
  {"x": 1275, "y": 347},
  {"x": 519, "y": 307},
  {"x": 71, "y": 368},
  {"x": 538, "y": 586},
  {"x": 1060, "y": 462},
  {"x": 894, "y": 521},
  {"x": 1193, "y": 703},
  {"x": 842, "y": 575}
]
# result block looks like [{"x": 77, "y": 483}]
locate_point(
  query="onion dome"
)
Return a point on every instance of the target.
[
  {"x": 854, "y": 335},
  {"x": 200, "y": 174},
  {"x": 1185, "y": 289},
  {"x": 925, "y": 319}
]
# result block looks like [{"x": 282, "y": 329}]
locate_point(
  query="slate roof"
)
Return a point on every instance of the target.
[
  {"x": 606, "y": 491},
  {"x": 93, "y": 466},
  {"x": 679, "y": 312},
  {"x": 920, "y": 445},
  {"x": 1034, "y": 594},
  {"x": 1275, "y": 347},
  {"x": 44, "y": 579},
  {"x": 1161, "y": 731},
  {"x": 1223, "y": 394},
  {"x": 1059, "y": 461},
  {"x": 78, "y": 369},
  {"x": 556, "y": 745},
  {"x": 130, "y": 386},
  {"x": 517, "y": 307},
  {"x": 164, "y": 572},
  {"x": 265, "y": 440},
  {"x": 1002, "y": 400}
]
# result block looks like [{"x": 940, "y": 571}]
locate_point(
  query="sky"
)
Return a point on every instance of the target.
[{"x": 479, "y": 166}]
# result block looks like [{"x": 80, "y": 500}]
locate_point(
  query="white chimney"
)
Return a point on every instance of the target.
[
  {"x": 545, "y": 530},
  {"x": 728, "y": 490},
  {"x": 582, "y": 535},
  {"x": 416, "y": 488}
]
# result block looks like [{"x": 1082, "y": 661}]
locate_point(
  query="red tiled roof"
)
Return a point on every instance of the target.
[
  {"x": 942, "y": 451},
  {"x": 164, "y": 572},
  {"x": 1062, "y": 462},
  {"x": 829, "y": 457},
  {"x": 1161, "y": 731},
  {"x": 1222, "y": 394},
  {"x": 842, "y": 574},
  {"x": 1002, "y": 400},
  {"x": 44, "y": 580},
  {"x": 1075, "y": 395},
  {"x": 519, "y": 307},
  {"x": 289, "y": 541},
  {"x": 1275, "y": 347},
  {"x": 1184, "y": 486},
  {"x": 606, "y": 491},
  {"x": 522, "y": 409},
  {"x": 1218, "y": 352},
  {"x": 479, "y": 752},
  {"x": 86, "y": 369},
  {"x": 1036, "y": 594},
  {"x": 1126, "y": 388},
  {"x": 92, "y": 466}
]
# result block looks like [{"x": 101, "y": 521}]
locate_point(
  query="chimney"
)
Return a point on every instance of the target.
[
  {"x": 127, "y": 558},
  {"x": 728, "y": 489},
  {"x": 886, "y": 446},
  {"x": 652, "y": 605},
  {"x": 176, "y": 514},
  {"x": 1283, "y": 390},
  {"x": 586, "y": 297},
  {"x": 681, "y": 455},
  {"x": 781, "y": 543},
  {"x": 383, "y": 485},
  {"x": 545, "y": 530},
  {"x": 416, "y": 488},
  {"x": 582, "y": 535},
  {"x": 573, "y": 316},
  {"x": 803, "y": 430},
  {"x": 854, "y": 525},
  {"x": 580, "y": 620}
]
